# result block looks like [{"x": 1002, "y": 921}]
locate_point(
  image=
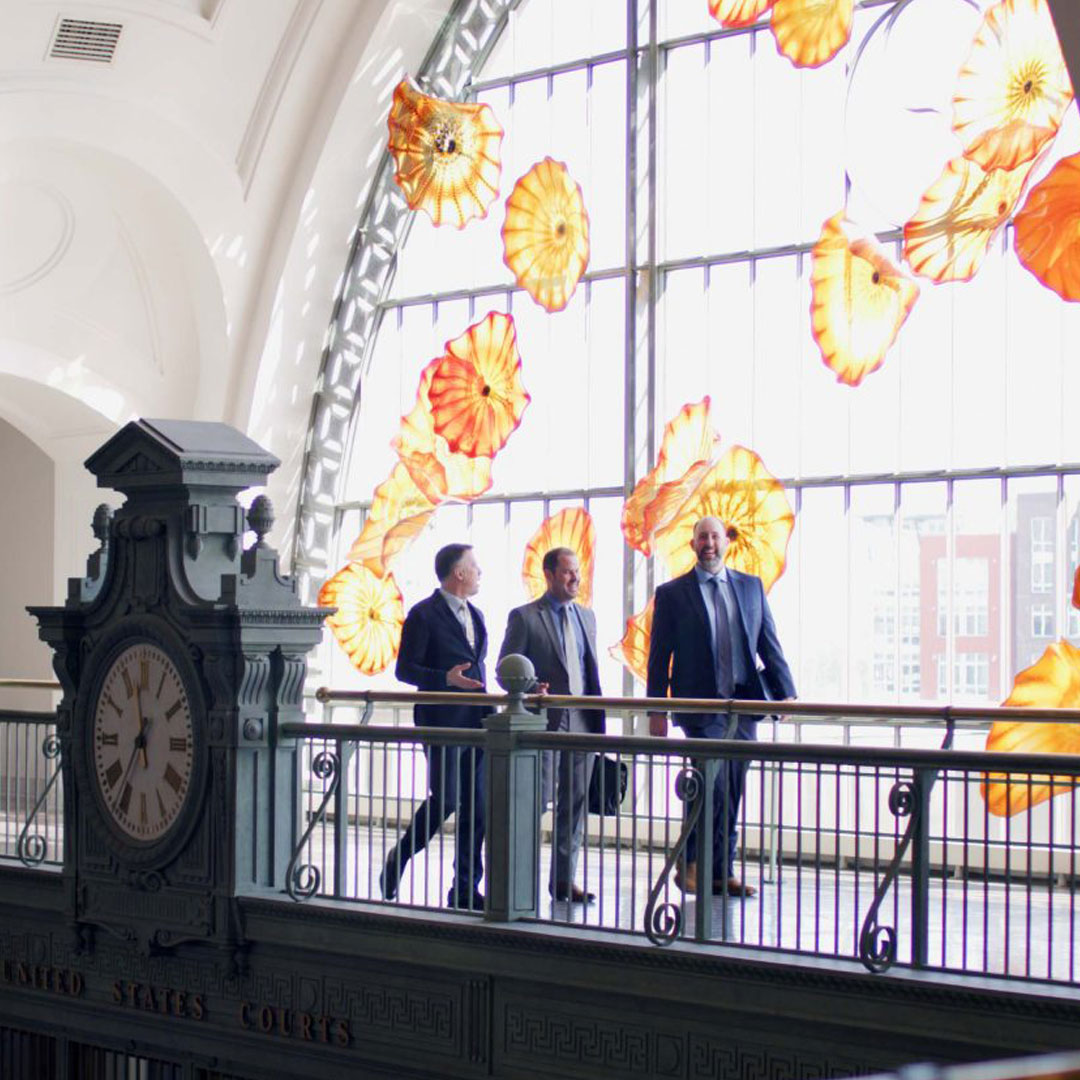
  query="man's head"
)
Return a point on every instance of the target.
[
  {"x": 457, "y": 569},
  {"x": 562, "y": 573},
  {"x": 709, "y": 542}
]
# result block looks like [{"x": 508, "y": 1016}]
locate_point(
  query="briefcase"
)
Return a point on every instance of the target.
[{"x": 614, "y": 776}]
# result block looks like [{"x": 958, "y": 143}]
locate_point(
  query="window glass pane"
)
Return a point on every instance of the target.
[{"x": 1037, "y": 592}]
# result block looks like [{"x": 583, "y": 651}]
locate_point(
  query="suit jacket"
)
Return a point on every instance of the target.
[
  {"x": 681, "y": 643},
  {"x": 432, "y": 642},
  {"x": 531, "y": 631}
]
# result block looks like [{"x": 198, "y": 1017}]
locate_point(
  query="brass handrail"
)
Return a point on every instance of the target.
[
  {"x": 792, "y": 710},
  {"x": 29, "y": 684}
]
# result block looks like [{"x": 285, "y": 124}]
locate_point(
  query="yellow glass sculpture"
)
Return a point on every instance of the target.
[
  {"x": 570, "y": 528},
  {"x": 476, "y": 394},
  {"x": 1014, "y": 88},
  {"x": 1048, "y": 229},
  {"x": 950, "y": 233},
  {"x": 633, "y": 650},
  {"x": 686, "y": 452},
  {"x": 751, "y": 502},
  {"x": 369, "y": 616},
  {"x": 859, "y": 301},
  {"x": 435, "y": 469},
  {"x": 1053, "y": 682},
  {"x": 546, "y": 234},
  {"x": 446, "y": 155},
  {"x": 811, "y": 32},
  {"x": 399, "y": 511},
  {"x": 738, "y": 12}
]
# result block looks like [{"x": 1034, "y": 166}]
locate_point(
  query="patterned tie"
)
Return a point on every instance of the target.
[
  {"x": 465, "y": 617},
  {"x": 725, "y": 680},
  {"x": 570, "y": 654}
]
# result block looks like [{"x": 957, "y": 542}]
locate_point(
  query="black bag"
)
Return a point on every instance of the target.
[{"x": 615, "y": 777}]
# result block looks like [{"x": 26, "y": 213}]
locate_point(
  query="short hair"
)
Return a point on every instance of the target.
[
  {"x": 551, "y": 559},
  {"x": 446, "y": 558}
]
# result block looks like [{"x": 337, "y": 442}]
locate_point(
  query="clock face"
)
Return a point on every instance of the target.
[{"x": 143, "y": 742}]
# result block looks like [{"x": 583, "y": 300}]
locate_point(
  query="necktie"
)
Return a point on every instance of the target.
[
  {"x": 725, "y": 682},
  {"x": 570, "y": 654},
  {"x": 465, "y": 617}
]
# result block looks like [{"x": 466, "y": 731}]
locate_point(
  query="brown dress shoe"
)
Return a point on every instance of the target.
[
  {"x": 734, "y": 887},
  {"x": 686, "y": 878},
  {"x": 574, "y": 895}
]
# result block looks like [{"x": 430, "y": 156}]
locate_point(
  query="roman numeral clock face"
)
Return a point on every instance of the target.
[{"x": 142, "y": 742}]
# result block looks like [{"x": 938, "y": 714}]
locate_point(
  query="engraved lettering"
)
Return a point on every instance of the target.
[
  {"x": 144, "y": 674},
  {"x": 177, "y": 744},
  {"x": 172, "y": 710},
  {"x": 119, "y": 711},
  {"x": 117, "y": 994},
  {"x": 125, "y": 798},
  {"x": 173, "y": 779},
  {"x": 198, "y": 1011},
  {"x": 245, "y": 1019},
  {"x": 305, "y": 1026},
  {"x": 160, "y": 685},
  {"x": 341, "y": 1033},
  {"x": 109, "y": 738},
  {"x": 266, "y": 1018},
  {"x": 113, "y": 773},
  {"x": 129, "y": 686}
]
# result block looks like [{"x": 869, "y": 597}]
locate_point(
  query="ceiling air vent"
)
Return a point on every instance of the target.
[{"x": 81, "y": 39}]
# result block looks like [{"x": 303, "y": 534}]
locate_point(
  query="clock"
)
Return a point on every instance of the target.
[{"x": 143, "y": 742}]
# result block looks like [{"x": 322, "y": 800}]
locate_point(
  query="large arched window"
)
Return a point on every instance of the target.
[{"x": 937, "y": 503}]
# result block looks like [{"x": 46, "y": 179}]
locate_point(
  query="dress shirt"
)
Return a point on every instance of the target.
[
  {"x": 460, "y": 607},
  {"x": 738, "y": 637}
]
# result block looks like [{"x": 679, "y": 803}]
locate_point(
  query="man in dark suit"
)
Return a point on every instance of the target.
[
  {"x": 443, "y": 644},
  {"x": 711, "y": 629},
  {"x": 559, "y": 636}
]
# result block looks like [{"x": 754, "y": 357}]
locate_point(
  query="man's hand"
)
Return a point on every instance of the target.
[
  {"x": 542, "y": 688},
  {"x": 456, "y": 677},
  {"x": 658, "y": 724}
]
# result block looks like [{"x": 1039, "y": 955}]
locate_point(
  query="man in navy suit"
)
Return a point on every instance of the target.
[
  {"x": 559, "y": 636},
  {"x": 711, "y": 629},
  {"x": 443, "y": 644}
]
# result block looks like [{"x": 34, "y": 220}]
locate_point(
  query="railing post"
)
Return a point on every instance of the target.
[
  {"x": 512, "y": 800},
  {"x": 920, "y": 867},
  {"x": 706, "y": 868}
]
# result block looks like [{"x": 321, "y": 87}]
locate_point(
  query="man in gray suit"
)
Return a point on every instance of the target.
[{"x": 559, "y": 636}]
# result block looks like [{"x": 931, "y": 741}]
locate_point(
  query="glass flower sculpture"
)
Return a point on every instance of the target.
[
  {"x": 435, "y": 469},
  {"x": 399, "y": 511},
  {"x": 546, "y": 234},
  {"x": 1014, "y": 88},
  {"x": 751, "y": 502},
  {"x": 811, "y": 32},
  {"x": 476, "y": 394},
  {"x": 369, "y": 616},
  {"x": 686, "y": 451},
  {"x": 570, "y": 528},
  {"x": 859, "y": 301},
  {"x": 1048, "y": 229},
  {"x": 633, "y": 650},
  {"x": 1053, "y": 682},
  {"x": 1076, "y": 589},
  {"x": 446, "y": 155},
  {"x": 950, "y": 233},
  {"x": 738, "y": 12}
]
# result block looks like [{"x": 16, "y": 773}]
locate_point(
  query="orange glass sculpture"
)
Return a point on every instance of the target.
[
  {"x": 399, "y": 511},
  {"x": 1053, "y": 682},
  {"x": 369, "y": 616},
  {"x": 1076, "y": 589},
  {"x": 1014, "y": 88},
  {"x": 570, "y": 528},
  {"x": 476, "y": 394},
  {"x": 1048, "y": 229},
  {"x": 435, "y": 469},
  {"x": 950, "y": 233},
  {"x": 859, "y": 301},
  {"x": 546, "y": 234},
  {"x": 633, "y": 650},
  {"x": 751, "y": 502},
  {"x": 686, "y": 452},
  {"x": 811, "y": 32},
  {"x": 738, "y": 12},
  {"x": 446, "y": 155}
]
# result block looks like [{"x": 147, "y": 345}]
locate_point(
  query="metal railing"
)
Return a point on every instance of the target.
[
  {"x": 31, "y": 791},
  {"x": 881, "y": 854}
]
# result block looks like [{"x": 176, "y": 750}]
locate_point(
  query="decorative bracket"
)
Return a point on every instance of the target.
[
  {"x": 33, "y": 847},
  {"x": 663, "y": 922}
]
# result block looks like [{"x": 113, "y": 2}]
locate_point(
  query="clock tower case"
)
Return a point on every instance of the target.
[{"x": 179, "y": 655}]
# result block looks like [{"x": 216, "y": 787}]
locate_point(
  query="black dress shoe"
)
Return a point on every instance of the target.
[
  {"x": 465, "y": 901},
  {"x": 573, "y": 895}
]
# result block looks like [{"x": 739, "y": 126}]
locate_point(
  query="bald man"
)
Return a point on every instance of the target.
[{"x": 713, "y": 636}]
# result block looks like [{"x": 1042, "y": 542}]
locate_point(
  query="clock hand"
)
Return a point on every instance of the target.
[
  {"x": 140, "y": 739},
  {"x": 127, "y": 773}
]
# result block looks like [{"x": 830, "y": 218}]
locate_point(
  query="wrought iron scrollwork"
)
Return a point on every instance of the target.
[
  {"x": 663, "y": 922},
  {"x": 302, "y": 880},
  {"x": 33, "y": 847},
  {"x": 877, "y": 944}
]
